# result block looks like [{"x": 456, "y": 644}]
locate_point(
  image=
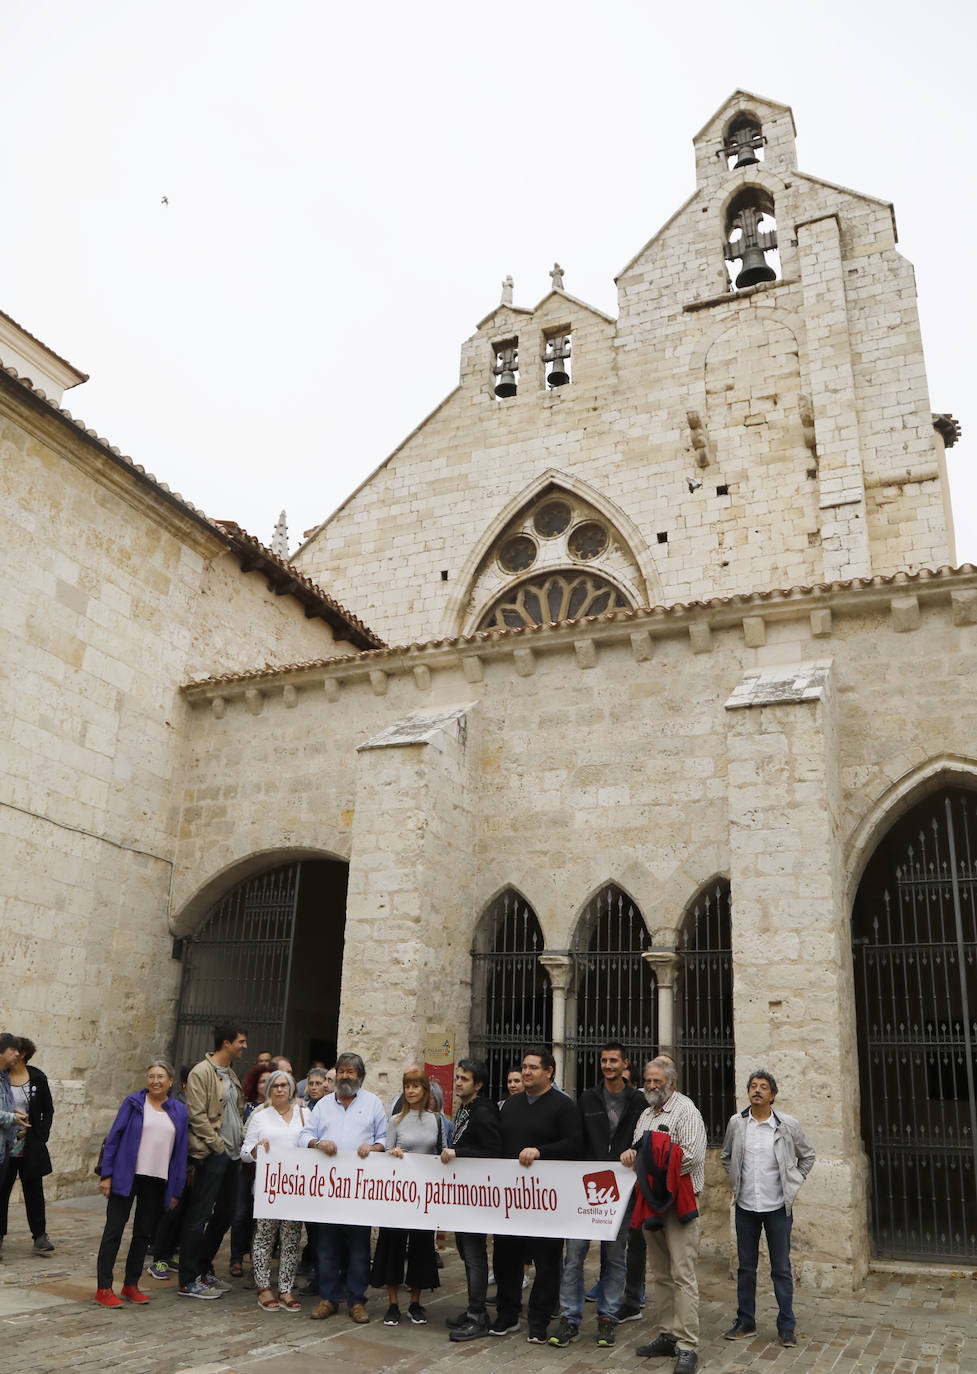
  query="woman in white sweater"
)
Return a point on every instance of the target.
[{"x": 277, "y": 1123}]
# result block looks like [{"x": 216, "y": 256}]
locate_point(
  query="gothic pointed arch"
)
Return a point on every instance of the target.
[
  {"x": 511, "y": 992},
  {"x": 914, "y": 959},
  {"x": 613, "y": 992},
  {"x": 704, "y": 1005},
  {"x": 556, "y": 527}
]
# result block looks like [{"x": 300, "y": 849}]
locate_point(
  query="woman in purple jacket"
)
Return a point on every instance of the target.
[{"x": 144, "y": 1160}]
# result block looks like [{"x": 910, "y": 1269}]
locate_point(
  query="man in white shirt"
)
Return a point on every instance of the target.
[
  {"x": 348, "y": 1119},
  {"x": 673, "y": 1248},
  {"x": 767, "y": 1158}
]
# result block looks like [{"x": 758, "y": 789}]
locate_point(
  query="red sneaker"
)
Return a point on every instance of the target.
[
  {"x": 106, "y": 1298},
  {"x": 130, "y": 1291}
]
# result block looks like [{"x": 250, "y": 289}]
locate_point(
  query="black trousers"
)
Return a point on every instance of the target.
[
  {"x": 208, "y": 1215},
  {"x": 33, "y": 1197},
  {"x": 472, "y": 1249},
  {"x": 508, "y": 1257},
  {"x": 148, "y": 1194}
]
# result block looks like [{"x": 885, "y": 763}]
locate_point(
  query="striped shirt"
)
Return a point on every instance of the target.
[{"x": 680, "y": 1117}]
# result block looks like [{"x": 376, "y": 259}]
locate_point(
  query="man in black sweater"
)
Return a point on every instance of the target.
[
  {"x": 477, "y": 1135},
  {"x": 538, "y": 1123},
  {"x": 609, "y": 1114}
]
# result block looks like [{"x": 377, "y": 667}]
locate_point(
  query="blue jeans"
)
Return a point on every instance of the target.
[
  {"x": 343, "y": 1248},
  {"x": 613, "y": 1273},
  {"x": 777, "y": 1227}
]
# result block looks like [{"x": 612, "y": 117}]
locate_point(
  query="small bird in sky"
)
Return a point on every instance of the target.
[{"x": 165, "y": 200}]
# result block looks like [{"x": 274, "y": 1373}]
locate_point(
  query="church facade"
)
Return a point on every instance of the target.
[{"x": 653, "y": 718}]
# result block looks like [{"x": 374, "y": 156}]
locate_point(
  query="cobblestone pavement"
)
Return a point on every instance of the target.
[{"x": 898, "y": 1323}]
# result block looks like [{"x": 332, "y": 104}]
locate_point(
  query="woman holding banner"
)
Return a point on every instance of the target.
[
  {"x": 277, "y": 1123},
  {"x": 410, "y": 1256}
]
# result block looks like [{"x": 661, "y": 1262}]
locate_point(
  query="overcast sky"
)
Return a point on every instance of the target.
[{"x": 348, "y": 184}]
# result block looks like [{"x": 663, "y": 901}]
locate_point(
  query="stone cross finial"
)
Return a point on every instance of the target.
[
  {"x": 507, "y": 286},
  {"x": 279, "y": 540},
  {"x": 557, "y": 277}
]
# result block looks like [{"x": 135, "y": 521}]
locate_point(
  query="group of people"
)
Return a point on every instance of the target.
[
  {"x": 26, "y": 1114},
  {"x": 189, "y": 1159}
]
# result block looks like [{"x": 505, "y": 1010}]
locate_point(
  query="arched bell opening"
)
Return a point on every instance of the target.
[
  {"x": 914, "y": 947},
  {"x": 743, "y": 142},
  {"x": 268, "y": 955},
  {"x": 750, "y": 238}
]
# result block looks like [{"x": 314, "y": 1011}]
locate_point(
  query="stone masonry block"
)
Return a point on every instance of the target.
[
  {"x": 904, "y": 613},
  {"x": 254, "y": 700},
  {"x": 290, "y": 696},
  {"x": 820, "y": 623},
  {"x": 378, "y": 681},
  {"x": 525, "y": 662},
  {"x": 642, "y": 646},
  {"x": 964, "y": 608},
  {"x": 471, "y": 668},
  {"x": 331, "y": 686},
  {"x": 700, "y": 636},
  {"x": 754, "y": 631},
  {"x": 218, "y": 707},
  {"x": 586, "y": 652},
  {"x": 422, "y": 677}
]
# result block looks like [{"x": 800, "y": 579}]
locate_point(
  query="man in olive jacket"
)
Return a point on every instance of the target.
[
  {"x": 215, "y": 1105},
  {"x": 766, "y": 1157}
]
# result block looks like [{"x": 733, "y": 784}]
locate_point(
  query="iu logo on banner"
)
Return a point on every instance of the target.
[{"x": 601, "y": 1187}]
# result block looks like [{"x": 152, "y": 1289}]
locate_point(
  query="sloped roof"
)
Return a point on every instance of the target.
[
  {"x": 680, "y": 611},
  {"x": 78, "y": 376},
  {"x": 282, "y": 577}
]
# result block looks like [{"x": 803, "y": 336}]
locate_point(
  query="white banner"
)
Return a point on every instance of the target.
[{"x": 577, "y": 1200}]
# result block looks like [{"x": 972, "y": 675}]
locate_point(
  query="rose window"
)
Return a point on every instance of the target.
[{"x": 559, "y": 596}]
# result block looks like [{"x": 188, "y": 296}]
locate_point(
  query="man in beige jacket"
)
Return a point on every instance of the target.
[{"x": 215, "y": 1106}]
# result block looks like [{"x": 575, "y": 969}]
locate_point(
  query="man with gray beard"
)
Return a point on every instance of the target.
[
  {"x": 673, "y": 1248},
  {"x": 348, "y": 1119}
]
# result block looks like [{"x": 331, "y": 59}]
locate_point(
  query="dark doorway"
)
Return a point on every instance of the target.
[
  {"x": 269, "y": 955},
  {"x": 704, "y": 1008},
  {"x": 614, "y": 995},
  {"x": 914, "y": 939},
  {"x": 511, "y": 993}
]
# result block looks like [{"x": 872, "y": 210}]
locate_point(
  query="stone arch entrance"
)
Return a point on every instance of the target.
[
  {"x": 269, "y": 954},
  {"x": 613, "y": 993},
  {"x": 914, "y": 943},
  {"x": 704, "y": 1006},
  {"x": 512, "y": 1002}
]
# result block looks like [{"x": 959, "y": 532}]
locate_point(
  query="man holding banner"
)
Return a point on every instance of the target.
[
  {"x": 348, "y": 1119},
  {"x": 538, "y": 1123}
]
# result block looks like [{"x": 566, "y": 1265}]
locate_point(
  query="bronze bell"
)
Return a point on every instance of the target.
[
  {"x": 558, "y": 377},
  {"x": 506, "y": 385},
  {"x": 755, "y": 269}
]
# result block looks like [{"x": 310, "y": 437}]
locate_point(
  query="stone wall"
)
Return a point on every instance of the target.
[
  {"x": 114, "y": 594},
  {"x": 800, "y": 405},
  {"x": 653, "y": 751}
]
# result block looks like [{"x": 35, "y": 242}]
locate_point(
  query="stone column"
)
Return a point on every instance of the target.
[
  {"x": 559, "y": 967},
  {"x": 793, "y": 990},
  {"x": 409, "y": 906},
  {"x": 665, "y": 964}
]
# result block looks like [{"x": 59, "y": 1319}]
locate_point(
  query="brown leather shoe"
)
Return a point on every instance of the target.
[
  {"x": 358, "y": 1313},
  {"x": 324, "y": 1309}
]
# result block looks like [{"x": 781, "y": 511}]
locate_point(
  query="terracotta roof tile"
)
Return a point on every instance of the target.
[{"x": 676, "y": 610}]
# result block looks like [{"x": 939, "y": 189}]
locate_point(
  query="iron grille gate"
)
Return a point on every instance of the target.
[
  {"x": 512, "y": 997},
  {"x": 237, "y": 965},
  {"x": 615, "y": 991},
  {"x": 915, "y": 954},
  {"x": 704, "y": 1005}
]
